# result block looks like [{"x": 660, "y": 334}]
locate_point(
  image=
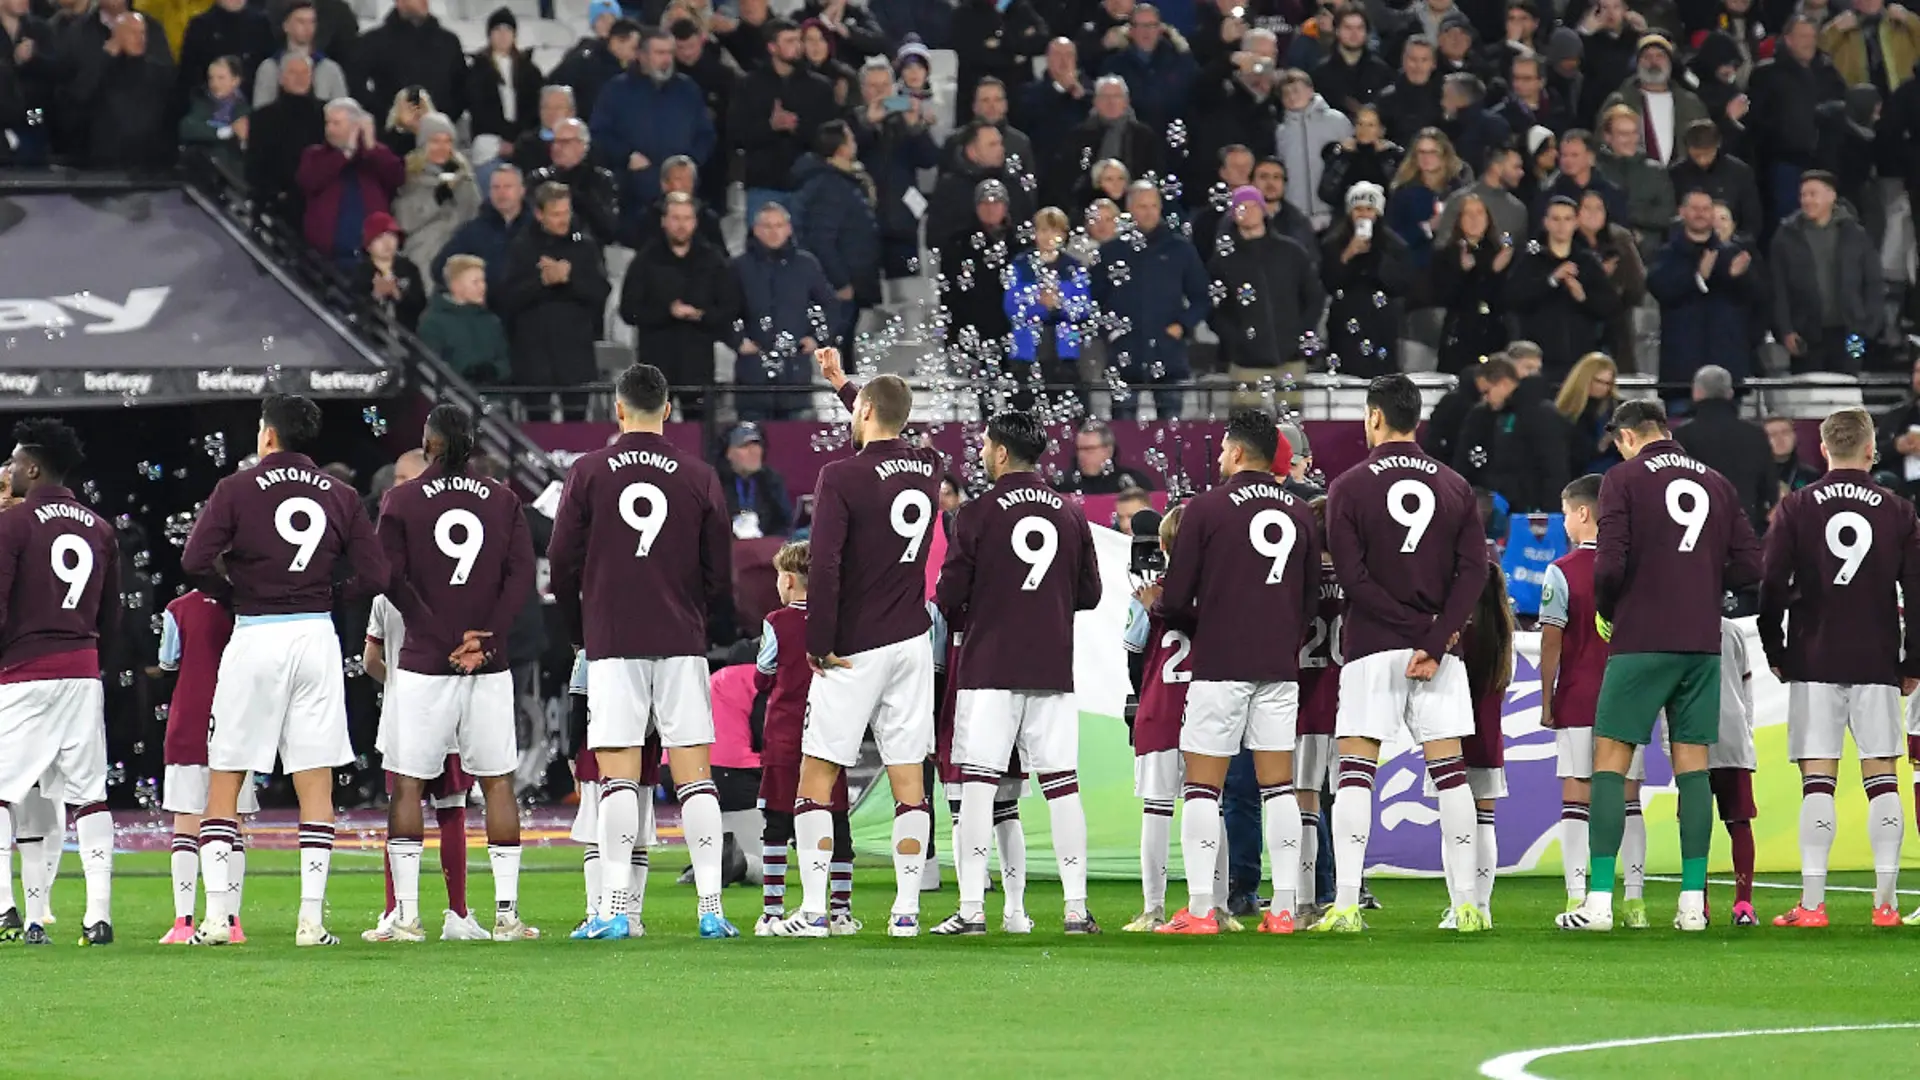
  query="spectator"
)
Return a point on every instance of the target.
[
  {"x": 855, "y": 33},
  {"x": 1368, "y": 272},
  {"x": 460, "y": 330},
  {"x": 784, "y": 297},
  {"x": 950, "y": 211},
  {"x": 228, "y": 28},
  {"x": 1566, "y": 76},
  {"x": 299, "y": 27},
  {"x": 556, "y": 293},
  {"x": 990, "y": 107},
  {"x": 998, "y": 38},
  {"x": 292, "y": 123},
  {"x": 1270, "y": 299},
  {"x": 678, "y": 174},
  {"x": 1270, "y": 177},
  {"x": 1529, "y": 102},
  {"x": 681, "y": 298},
  {"x": 1586, "y": 402},
  {"x": 1523, "y": 38},
  {"x": 1725, "y": 178},
  {"x": 1110, "y": 131},
  {"x": 1559, "y": 291},
  {"x": 1095, "y": 469},
  {"x": 756, "y": 494},
  {"x": 1610, "y": 35},
  {"x": 894, "y": 145},
  {"x": 410, "y": 48},
  {"x": 1104, "y": 31},
  {"x": 1469, "y": 125},
  {"x": 1666, "y": 108},
  {"x": 1158, "y": 69},
  {"x": 439, "y": 194},
  {"x": 217, "y": 120},
  {"x": 773, "y": 117},
  {"x": 913, "y": 66},
  {"x": 1413, "y": 101},
  {"x": 338, "y": 27},
  {"x": 1541, "y": 166},
  {"x": 644, "y": 117},
  {"x": 1233, "y": 103},
  {"x": 1619, "y": 256},
  {"x": 29, "y": 81},
  {"x": 1873, "y": 43},
  {"x": 1052, "y": 106},
  {"x": 746, "y": 39},
  {"x": 490, "y": 234},
  {"x": 696, "y": 56},
  {"x": 1720, "y": 78},
  {"x": 952, "y": 498},
  {"x": 1109, "y": 179},
  {"x": 1442, "y": 435},
  {"x": 1788, "y": 90},
  {"x": 1898, "y": 440},
  {"x": 1578, "y": 175},
  {"x": 534, "y": 148},
  {"x": 1500, "y": 171},
  {"x": 1353, "y": 72},
  {"x": 1708, "y": 291},
  {"x": 592, "y": 197},
  {"x": 385, "y": 277},
  {"x": 503, "y": 88},
  {"x": 1469, "y": 282},
  {"x": 1048, "y": 306},
  {"x": 1849, "y": 135},
  {"x": 1730, "y": 446},
  {"x": 1453, "y": 52},
  {"x": 125, "y": 92},
  {"x": 402, "y": 130},
  {"x": 1512, "y": 446},
  {"x": 1158, "y": 281},
  {"x": 1828, "y": 294},
  {"x": 834, "y": 219},
  {"x": 1209, "y": 208},
  {"x": 1309, "y": 126},
  {"x": 816, "y": 52},
  {"x": 1366, "y": 158},
  {"x": 1430, "y": 174},
  {"x": 1648, "y": 189},
  {"x": 595, "y": 61},
  {"x": 1790, "y": 473},
  {"x": 345, "y": 180},
  {"x": 976, "y": 265}
]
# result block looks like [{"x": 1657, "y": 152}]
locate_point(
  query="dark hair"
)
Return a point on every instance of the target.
[
  {"x": 232, "y": 64},
  {"x": 776, "y": 26},
  {"x": 651, "y": 34},
  {"x": 1254, "y": 431},
  {"x": 1560, "y": 200},
  {"x": 1496, "y": 369},
  {"x": 988, "y": 80},
  {"x": 1093, "y": 425},
  {"x": 1640, "y": 416},
  {"x": 549, "y": 193},
  {"x": 1351, "y": 8},
  {"x": 1527, "y": 6},
  {"x": 891, "y": 398},
  {"x": 51, "y": 444},
  {"x": 1231, "y": 149},
  {"x": 1584, "y": 491},
  {"x": 1398, "y": 401},
  {"x": 642, "y": 388},
  {"x": 295, "y": 420},
  {"x": 623, "y": 28},
  {"x": 1495, "y": 154},
  {"x": 454, "y": 427},
  {"x": 1490, "y": 639},
  {"x": 1702, "y": 134},
  {"x": 1020, "y": 434},
  {"x": 1273, "y": 161},
  {"x": 971, "y": 133},
  {"x": 1579, "y": 135},
  {"x": 297, "y": 5},
  {"x": 682, "y": 29},
  {"x": 830, "y": 137},
  {"x": 1821, "y": 176}
]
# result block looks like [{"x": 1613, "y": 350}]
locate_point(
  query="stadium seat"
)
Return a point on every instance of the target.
[{"x": 1810, "y": 397}]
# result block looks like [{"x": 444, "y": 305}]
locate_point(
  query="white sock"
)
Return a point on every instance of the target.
[
  {"x": 1633, "y": 854},
  {"x": 1457, "y": 835},
  {"x": 706, "y": 839},
  {"x": 1201, "y": 843},
  {"x": 95, "y": 833},
  {"x": 1575, "y": 849},
  {"x": 217, "y": 838},
  {"x": 1309, "y": 887},
  {"x": 505, "y": 861},
  {"x": 1486, "y": 857},
  {"x": 619, "y": 834},
  {"x": 637, "y": 889},
  {"x": 34, "y": 881},
  {"x": 1222, "y": 867},
  {"x": 237, "y": 877},
  {"x": 403, "y": 858},
  {"x": 1352, "y": 827},
  {"x": 186, "y": 876},
  {"x": 1069, "y": 819},
  {"x": 7, "y": 902},
  {"x": 1156, "y": 844},
  {"x": 912, "y": 827},
  {"x": 813, "y": 849},
  {"x": 1011, "y": 840},
  {"x": 590, "y": 871},
  {"x": 973, "y": 839},
  {"x": 1281, "y": 812},
  {"x": 316, "y": 859},
  {"x": 745, "y": 827},
  {"x": 1816, "y": 843},
  {"x": 1886, "y": 826}
]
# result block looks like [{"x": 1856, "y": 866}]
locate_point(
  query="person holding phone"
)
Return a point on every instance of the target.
[{"x": 1367, "y": 269}]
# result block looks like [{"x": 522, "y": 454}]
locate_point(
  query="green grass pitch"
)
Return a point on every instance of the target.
[{"x": 1403, "y": 1000}]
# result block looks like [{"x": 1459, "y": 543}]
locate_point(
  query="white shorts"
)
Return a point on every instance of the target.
[
  {"x": 1573, "y": 749},
  {"x": 1378, "y": 701},
  {"x": 1225, "y": 717},
  {"x": 586, "y": 818},
  {"x": 469, "y": 715},
  {"x": 1819, "y": 715},
  {"x": 186, "y": 791},
  {"x": 1313, "y": 759},
  {"x": 989, "y": 724},
  {"x": 53, "y": 734},
  {"x": 629, "y": 699},
  {"x": 1734, "y": 748},
  {"x": 1157, "y": 776},
  {"x": 888, "y": 689},
  {"x": 282, "y": 691}
]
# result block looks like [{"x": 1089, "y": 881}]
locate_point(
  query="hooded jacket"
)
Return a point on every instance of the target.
[{"x": 1303, "y": 135}]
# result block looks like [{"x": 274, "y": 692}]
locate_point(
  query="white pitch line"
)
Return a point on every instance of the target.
[
  {"x": 1513, "y": 1066},
  {"x": 1729, "y": 882}
]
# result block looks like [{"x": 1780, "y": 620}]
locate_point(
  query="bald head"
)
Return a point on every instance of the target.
[{"x": 409, "y": 466}]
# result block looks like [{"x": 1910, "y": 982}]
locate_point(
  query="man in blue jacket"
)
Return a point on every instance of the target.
[
  {"x": 1151, "y": 297},
  {"x": 646, "y": 116},
  {"x": 1708, "y": 290},
  {"x": 784, "y": 299},
  {"x": 833, "y": 218},
  {"x": 488, "y": 234}
]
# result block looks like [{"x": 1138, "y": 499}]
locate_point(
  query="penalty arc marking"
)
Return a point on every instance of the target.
[{"x": 1514, "y": 1066}]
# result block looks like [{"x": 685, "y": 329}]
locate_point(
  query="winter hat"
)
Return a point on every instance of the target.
[
  {"x": 502, "y": 17},
  {"x": 436, "y": 123},
  {"x": 1714, "y": 51},
  {"x": 989, "y": 191},
  {"x": 1456, "y": 20},
  {"x": 1654, "y": 41},
  {"x": 1862, "y": 100},
  {"x": 912, "y": 51},
  {"x": 1246, "y": 194},
  {"x": 1564, "y": 44},
  {"x": 597, "y": 8},
  {"x": 1368, "y": 194},
  {"x": 378, "y": 224},
  {"x": 1537, "y": 137}
]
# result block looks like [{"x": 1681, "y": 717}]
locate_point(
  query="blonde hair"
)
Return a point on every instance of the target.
[
  {"x": 1573, "y": 393},
  {"x": 1409, "y": 171},
  {"x": 1607, "y": 118},
  {"x": 795, "y": 558},
  {"x": 1052, "y": 217},
  {"x": 1848, "y": 435},
  {"x": 461, "y": 264},
  {"x": 1170, "y": 525}
]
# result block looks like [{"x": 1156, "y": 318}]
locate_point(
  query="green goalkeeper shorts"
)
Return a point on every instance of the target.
[{"x": 1638, "y": 686}]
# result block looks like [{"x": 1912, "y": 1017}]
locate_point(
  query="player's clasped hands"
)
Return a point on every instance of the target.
[{"x": 471, "y": 656}]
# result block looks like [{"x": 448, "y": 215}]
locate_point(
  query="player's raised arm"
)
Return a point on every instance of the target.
[
  {"x": 827, "y": 541},
  {"x": 567, "y": 553},
  {"x": 1776, "y": 587},
  {"x": 1469, "y": 579},
  {"x": 716, "y": 565}
]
